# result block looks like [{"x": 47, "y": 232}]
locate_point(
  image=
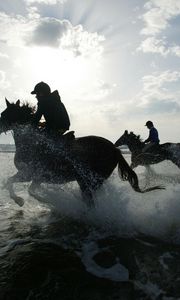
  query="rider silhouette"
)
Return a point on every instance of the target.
[
  {"x": 153, "y": 138},
  {"x": 50, "y": 106}
]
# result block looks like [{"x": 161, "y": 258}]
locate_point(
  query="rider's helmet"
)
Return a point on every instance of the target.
[
  {"x": 41, "y": 87},
  {"x": 149, "y": 123}
]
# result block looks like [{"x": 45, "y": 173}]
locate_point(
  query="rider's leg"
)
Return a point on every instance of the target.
[{"x": 147, "y": 147}]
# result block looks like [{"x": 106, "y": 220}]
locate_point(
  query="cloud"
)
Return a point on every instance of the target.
[
  {"x": 153, "y": 45},
  {"x": 13, "y": 29},
  {"x": 55, "y": 33},
  {"x": 3, "y": 55},
  {"x": 176, "y": 50},
  {"x": 158, "y": 92},
  {"x": 3, "y": 82},
  {"x": 49, "y": 32},
  {"x": 157, "y": 18},
  {"x": 159, "y": 79},
  {"x": 82, "y": 42},
  {"x": 158, "y": 97},
  {"x": 158, "y": 15},
  {"x": 48, "y": 2},
  {"x": 163, "y": 106}
]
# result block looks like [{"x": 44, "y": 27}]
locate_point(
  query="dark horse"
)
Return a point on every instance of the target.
[
  {"x": 58, "y": 159},
  {"x": 156, "y": 154}
]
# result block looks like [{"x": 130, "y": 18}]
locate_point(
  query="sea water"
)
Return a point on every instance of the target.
[{"x": 121, "y": 218}]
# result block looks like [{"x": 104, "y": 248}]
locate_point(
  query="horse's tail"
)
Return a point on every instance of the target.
[{"x": 126, "y": 173}]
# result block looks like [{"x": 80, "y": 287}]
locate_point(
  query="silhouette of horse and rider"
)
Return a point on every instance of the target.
[
  {"x": 53, "y": 156},
  {"x": 150, "y": 151}
]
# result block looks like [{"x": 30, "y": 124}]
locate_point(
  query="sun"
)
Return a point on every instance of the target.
[{"x": 61, "y": 68}]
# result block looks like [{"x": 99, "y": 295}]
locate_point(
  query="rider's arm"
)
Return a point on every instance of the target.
[
  {"x": 151, "y": 135},
  {"x": 37, "y": 116},
  {"x": 148, "y": 139}
]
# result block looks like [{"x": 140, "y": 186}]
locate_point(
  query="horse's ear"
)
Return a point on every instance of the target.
[
  {"x": 126, "y": 132},
  {"x": 7, "y": 102},
  {"x": 18, "y": 102}
]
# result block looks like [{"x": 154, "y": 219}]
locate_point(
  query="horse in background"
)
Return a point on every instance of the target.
[
  {"x": 41, "y": 158},
  {"x": 156, "y": 154}
]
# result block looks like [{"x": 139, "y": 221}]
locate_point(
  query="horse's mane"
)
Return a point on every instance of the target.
[
  {"x": 25, "y": 111},
  {"x": 27, "y": 108},
  {"x": 135, "y": 137}
]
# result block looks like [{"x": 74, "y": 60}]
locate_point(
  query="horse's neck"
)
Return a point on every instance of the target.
[
  {"x": 21, "y": 133},
  {"x": 27, "y": 136},
  {"x": 134, "y": 146}
]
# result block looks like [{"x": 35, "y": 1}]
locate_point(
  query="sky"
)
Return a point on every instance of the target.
[{"x": 116, "y": 64}]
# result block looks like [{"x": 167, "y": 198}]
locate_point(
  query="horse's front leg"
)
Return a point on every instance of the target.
[{"x": 9, "y": 186}]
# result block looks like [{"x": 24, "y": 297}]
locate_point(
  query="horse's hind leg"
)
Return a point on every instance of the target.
[
  {"x": 86, "y": 192},
  {"x": 88, "y": 187}
]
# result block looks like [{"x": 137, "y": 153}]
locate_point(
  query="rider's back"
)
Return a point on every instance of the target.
[
  {"x": 54, "y": 112},
  {"x": 154, "y": 138}
]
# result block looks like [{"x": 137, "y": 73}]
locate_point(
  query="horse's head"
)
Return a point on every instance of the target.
[
  {"x": 14, "y": 114},
  {"x": 122, "y": 140},
  {"x": 132, "y": 140}
]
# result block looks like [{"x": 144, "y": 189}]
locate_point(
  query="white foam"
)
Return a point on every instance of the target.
[{"x": 116, "y": 272}]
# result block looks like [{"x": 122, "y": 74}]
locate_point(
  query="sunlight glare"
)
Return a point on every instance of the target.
[{"x": 62, "y": 68}]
